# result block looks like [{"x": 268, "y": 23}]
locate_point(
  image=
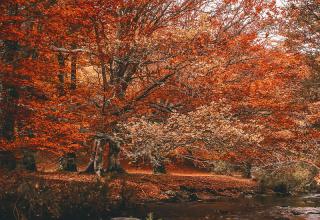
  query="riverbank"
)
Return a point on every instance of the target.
[
  {"x": 64, "y": 194},
  {"x": 143, "y": 187}
]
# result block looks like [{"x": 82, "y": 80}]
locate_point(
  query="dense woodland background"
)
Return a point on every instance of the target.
[{"x": 153, "y": 81}]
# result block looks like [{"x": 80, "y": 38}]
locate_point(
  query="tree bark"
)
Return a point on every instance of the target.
[
  {"x": 104, "y": 82},
  {"x": 1, "y": 103},
  {"x": 247, "y": 170},
  {"x": 90, "y": 167},
  {"x": 61, "y": 61},
  {"x": 73, "y": 76},
  {"x": 68, "y": 162},
  {"x": 9, "y": 104},
  {"x": 113, "y": 157},
  {"x": 96, "y": 159},
  {"x": 9, "y": 92},
  {"x": 29, "y": 161}
]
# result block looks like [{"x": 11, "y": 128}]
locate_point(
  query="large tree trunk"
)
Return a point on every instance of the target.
[
  {"x": 90, "y": 166},
  {"x": 96, "y": 160},
  {"x": 113, "y": 157},
  {"x": 9, "y": 94},
  {"x": 73, "y": 76},
  {"x": 29, "y": 161},
  {"x": 61, "y": 61},
  {"x": 1, "y": 102},
  {"x": 104, "y": 82},
  {"x": 9, "y": 114}
]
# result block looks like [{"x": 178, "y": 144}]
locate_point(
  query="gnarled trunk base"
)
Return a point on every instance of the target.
[
  {"x": 159, "y": 168},
  {"x": 68, "y": 162},
  {"x": 96, "y": 160},
  {"x": 90, "y": 168}
]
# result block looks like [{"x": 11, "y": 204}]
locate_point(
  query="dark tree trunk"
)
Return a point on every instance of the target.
[
  {"x": 68, "y": 162},
  {"x": 61, "y": 61},
  {"x": 104, "y": 82},
  {"x": 90, "y": 166},
  {"x": 113, "y": 157},
  {"x": 247, "y": 170},
  {"x": 9, "y": 113},
  {"x": 159, "y": 168},
  {"x": 98, "y": 159},
  {"x": 1, "y": 103},
  {"x": 9, "y": 93},
  {"x": 7, "y": 160},
  {"x": 29, "y": 161},
  {"x": 73, "y": 76}
]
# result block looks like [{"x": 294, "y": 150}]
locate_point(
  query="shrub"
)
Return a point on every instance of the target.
[
  {"x": 288, "y": 178},
  {"x": 222, "y": 167}
]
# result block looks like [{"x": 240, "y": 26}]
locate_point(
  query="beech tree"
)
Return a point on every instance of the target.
[{"x": 156, "y": 70}]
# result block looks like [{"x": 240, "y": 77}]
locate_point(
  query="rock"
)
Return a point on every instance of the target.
[
  {"x": 188, "y": 189},
  {"x": 281, "y": 188},
  {"x": 305, "y": 210},
  {"x": 188, "y": 194},
  {"x": 172, "y": 195},
  {"x": 184, "y": 196},
  {"x": 193, "y": 197},
  {"x": 314, "y": 196},
  {"x": 205, "y": 196}
]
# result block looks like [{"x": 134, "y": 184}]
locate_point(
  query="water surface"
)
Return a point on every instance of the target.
[{"x": 255, "y": 208}]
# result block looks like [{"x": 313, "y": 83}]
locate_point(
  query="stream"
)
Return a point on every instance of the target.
[{"x": 260, "y": 207}]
